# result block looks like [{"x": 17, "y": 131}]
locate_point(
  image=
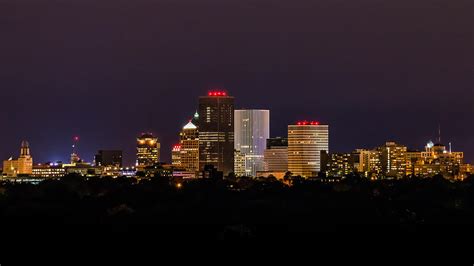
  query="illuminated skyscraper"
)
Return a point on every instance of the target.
[
  {"x": 216, "y": 131},
  {"x": 189, "y": 140},
  {"x": 148, "y": 150},
  {"x": 306, "y": 140},
  {"x": 394, "y": 159},
  {"x": 252, "y": 129}
]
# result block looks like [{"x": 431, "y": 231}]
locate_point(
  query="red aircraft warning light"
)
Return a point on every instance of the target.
[
  {"x": 217, "y": 93},
  {"x": 307, "y": 123}
]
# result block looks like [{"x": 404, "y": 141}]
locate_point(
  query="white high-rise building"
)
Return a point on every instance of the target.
[
  {"x": 306, "y": 140},
  {"x": 251, "y": 131}
]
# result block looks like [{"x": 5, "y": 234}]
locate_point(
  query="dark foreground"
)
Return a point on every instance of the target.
[{"x": 104, "y": 208}]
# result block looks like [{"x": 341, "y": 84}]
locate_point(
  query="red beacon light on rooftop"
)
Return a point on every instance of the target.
[
  {"x": 307, "y": 123},
  {"x": 217, "y": 93}
]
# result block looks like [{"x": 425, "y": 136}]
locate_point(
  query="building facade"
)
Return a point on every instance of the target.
[
  {"x": 437, "y": 159},
  {"x": 176, "y": 156},
  {"x": 337, "y": 164},
  {"x": 23, "y": 166},
  {"x": 148, "y": 150},
  {"x": 109, "y": 158},
  {"x": 368, "y": 162},
  {"x": 276, "y": 155},
  {"x": 251, "y": 131},
  {"x": 394, "y": 159},
  {"x": 216, "y": 131},
  {"x": 189, "y": 141},
  {"x": 48, "y": 171},
  {"x": 239, "y": 164},
  {"x": 306, "y": 140}
]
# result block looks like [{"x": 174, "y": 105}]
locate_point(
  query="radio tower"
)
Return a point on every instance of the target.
[
  {"x": 439, "y": 133},
  {"x": 74, "y": 156}
]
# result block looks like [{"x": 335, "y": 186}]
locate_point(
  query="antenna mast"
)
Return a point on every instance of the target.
[{"x": 439, "y": 133}]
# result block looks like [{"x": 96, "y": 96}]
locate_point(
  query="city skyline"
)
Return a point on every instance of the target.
[
  {"x": 165, "y": 149},
  {"x": 396, "y": 73},
  {"x": 87, "y": 145},
  {"x": 230, "y": 120},
  {"x": 304, "y": 153}
]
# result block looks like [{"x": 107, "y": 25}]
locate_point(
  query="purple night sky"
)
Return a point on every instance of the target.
[{"x": 107, "y": 70}]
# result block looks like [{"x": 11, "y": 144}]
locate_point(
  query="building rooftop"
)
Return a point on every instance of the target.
[
  {"x": 146, "y": 135},
  {"x": 190, "y": 125}
]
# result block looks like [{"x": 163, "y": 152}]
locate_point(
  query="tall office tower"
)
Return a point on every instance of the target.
[
  {"x": 109, "y": 158},
  {"x": 216, "y": 131},
  {"x": 306, "y": 140},
  {"x": 176, "y": 156},
  {"x": 276, "y": 155},
  {"x": 394, "y": 159},
  {"x": 22, "y": 166},
  {"x": 148, "y": 150},
  {"x": 251, "y": 131},
  {"x": 189, "y": 140}
]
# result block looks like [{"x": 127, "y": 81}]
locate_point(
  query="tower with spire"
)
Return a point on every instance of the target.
[
  {"x": 25, "y": 161},
  {"x": 195, "y": 120},
  {"x": 23, "y": 166}
]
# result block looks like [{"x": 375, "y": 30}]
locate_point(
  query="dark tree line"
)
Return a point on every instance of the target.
[{"x": 239, "y": 207}]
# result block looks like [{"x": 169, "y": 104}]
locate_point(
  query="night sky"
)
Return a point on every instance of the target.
[{"x": 106, "y": 70}]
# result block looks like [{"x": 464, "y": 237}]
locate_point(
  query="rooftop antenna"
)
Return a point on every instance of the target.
[
  {"x": 439, "y": 133},
  {"x": 74, "y": 144},
  {"x": 74, "y": 156}
]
